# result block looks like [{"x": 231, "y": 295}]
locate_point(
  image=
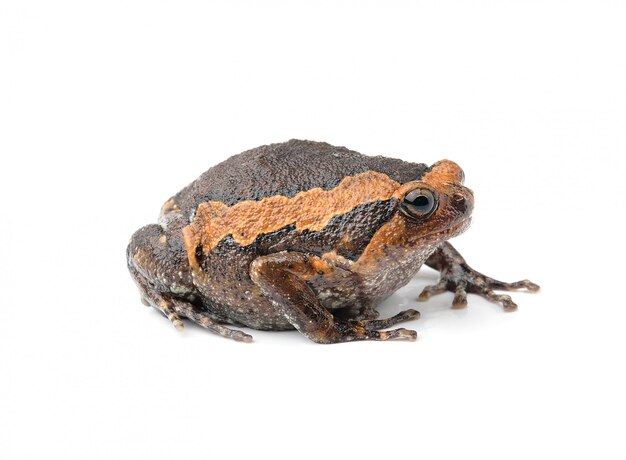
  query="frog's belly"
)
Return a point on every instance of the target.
[
  {"x": 353, "y": 286},
  {"x": 244, "y": 304}
]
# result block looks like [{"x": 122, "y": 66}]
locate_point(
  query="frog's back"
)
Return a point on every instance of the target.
[{"x": 286, "y": 169}]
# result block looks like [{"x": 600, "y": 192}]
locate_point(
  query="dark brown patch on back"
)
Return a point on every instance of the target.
[{"x": 287, "y": 169}]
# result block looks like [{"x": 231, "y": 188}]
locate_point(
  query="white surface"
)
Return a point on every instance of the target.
[{"x": 108, "y": 108}]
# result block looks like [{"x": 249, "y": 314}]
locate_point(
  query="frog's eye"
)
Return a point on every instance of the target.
[{"x": 419, "y": 203}]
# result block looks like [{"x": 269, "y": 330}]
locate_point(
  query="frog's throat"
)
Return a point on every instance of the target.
[{"x": 394, "y": 238}]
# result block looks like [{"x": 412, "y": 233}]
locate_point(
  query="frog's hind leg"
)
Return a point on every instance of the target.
[
  {"x": 158, "y": 264},
  {"x": 282, "y": 278}
]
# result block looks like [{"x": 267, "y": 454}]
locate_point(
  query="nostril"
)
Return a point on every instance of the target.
[{"x": 458, "y": 197}]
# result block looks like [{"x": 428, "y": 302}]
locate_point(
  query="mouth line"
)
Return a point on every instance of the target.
[{"x": 451, "y": 231}]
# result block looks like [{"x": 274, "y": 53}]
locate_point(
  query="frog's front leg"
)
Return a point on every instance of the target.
[
  {"x": 460, "y": 278},
  {"x": 282, "y": 278}
]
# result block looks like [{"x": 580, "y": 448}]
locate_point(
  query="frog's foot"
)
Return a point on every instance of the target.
[
  {"x": 460, "y": 278},
  {"x": 476, "y": 283},
  {"x": 203, "y": 319},
  {"x": 281, "y": 277}
]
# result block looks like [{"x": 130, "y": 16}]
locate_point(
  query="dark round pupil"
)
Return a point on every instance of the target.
[{"x": 421, "y": 202}]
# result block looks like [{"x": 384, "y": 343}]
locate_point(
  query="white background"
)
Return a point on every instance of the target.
[{"x": 108, "y": 108}]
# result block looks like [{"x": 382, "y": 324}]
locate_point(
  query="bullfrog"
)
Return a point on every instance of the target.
[{"x": 309, "y": 236}]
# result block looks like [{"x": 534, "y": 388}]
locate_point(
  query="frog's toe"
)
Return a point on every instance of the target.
[
  {"x": 397, "y": 334},
  {"x": 432, "y": 290},
  {"x": 505, "y": 300},
  {"x": 460, "y": 296},
  {"x": 168, "y": 310},
  {"x": 407, "y": 315},
  {"x": 393, "y": 334},
  {"x": 485, "y": 287},
  {"x": 523, "y": 284}
]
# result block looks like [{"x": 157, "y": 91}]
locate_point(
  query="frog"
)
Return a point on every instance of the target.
[{"x": 308, "y": 236}]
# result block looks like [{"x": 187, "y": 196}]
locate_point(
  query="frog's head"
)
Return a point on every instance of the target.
[{"x": 436, "y": 206}]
